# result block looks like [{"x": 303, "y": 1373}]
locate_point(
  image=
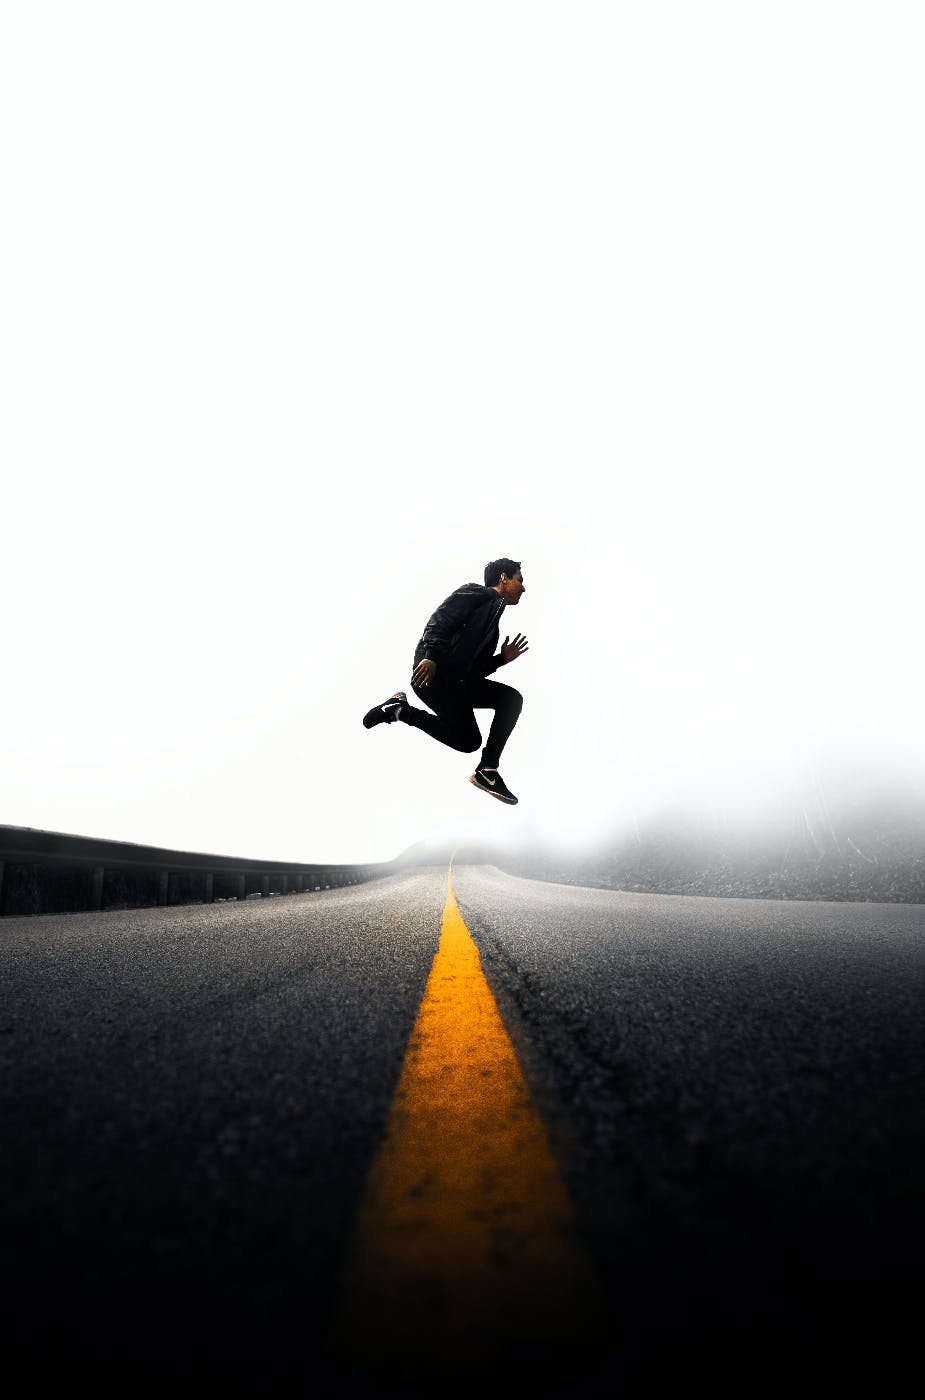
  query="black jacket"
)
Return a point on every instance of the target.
[{"x": 462, "y": 634}]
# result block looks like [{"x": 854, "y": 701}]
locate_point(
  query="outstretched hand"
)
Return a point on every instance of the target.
[{"x": 510, "y": 650}]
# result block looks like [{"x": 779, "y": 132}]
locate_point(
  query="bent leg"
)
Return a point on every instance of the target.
[
  {"x": 507, "y": 704},
  {"x": 453, "y": 722}
]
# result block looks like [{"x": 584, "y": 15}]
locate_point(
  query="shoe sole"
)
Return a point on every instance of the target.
[{"x": 498, "y": 796}]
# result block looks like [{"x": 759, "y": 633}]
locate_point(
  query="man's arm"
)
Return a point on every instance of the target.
[
  {"x": 510, "y": 650},
  {"x": 445, "y": 622},
  {"x": 440, "y": 629}
]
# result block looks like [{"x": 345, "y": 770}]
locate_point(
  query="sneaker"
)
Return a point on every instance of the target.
[
  {"x": 386, "y": 713},
  {"x": 490, "y": 780}
]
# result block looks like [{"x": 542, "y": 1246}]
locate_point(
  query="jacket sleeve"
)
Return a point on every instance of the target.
[
  {"x": 444, "y": 624},
  {"x": 492, "y": 664}
]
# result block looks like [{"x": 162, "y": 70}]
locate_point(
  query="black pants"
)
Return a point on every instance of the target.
[{"x": 453, "y": 698}]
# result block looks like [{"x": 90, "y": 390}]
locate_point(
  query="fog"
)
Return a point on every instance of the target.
[{"x": 309, "y": 313}]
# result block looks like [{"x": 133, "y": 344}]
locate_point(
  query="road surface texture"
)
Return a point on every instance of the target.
[{"x": 232, "y": 1133}]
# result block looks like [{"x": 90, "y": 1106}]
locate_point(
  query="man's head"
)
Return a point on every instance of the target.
[{"x": 506, "y": 578}]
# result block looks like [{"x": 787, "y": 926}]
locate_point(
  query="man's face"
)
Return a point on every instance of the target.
[{"x": 512, "y": 589}]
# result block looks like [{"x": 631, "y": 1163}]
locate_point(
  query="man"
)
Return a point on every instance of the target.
[{"x": 452, "y": 663}]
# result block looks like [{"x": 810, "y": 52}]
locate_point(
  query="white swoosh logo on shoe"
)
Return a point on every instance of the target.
[{"x": 489, "y": 781}]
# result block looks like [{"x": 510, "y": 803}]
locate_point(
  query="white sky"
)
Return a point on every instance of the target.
[{"x": 310, "y": 310}]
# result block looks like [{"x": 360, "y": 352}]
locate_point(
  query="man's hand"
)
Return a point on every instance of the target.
[
  {"x": 424, "y": 672},
  {"x": 510, "y": 650}
]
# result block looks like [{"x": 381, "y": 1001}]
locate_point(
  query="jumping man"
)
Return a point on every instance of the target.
[{"x": 452, "y": 661}]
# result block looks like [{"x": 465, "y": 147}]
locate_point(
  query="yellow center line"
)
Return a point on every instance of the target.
[{"x": 465, "y": 1232}]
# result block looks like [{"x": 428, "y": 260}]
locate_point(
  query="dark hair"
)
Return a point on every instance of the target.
[{"x": 497, "y": 567}]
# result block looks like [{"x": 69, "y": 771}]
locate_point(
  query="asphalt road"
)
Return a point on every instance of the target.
[{"x": 191, "y": 1099}]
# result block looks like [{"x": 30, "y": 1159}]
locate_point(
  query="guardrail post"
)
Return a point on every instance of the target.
[
  {"x": 208, "y": 881},
  {"x": 96, "y": 888},
  {"x": 162, "y": 888},
  {"x": 242, "y": 887}
]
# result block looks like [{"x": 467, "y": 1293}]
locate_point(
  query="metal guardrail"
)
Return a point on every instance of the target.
[{"x": 51, "y": 872}]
